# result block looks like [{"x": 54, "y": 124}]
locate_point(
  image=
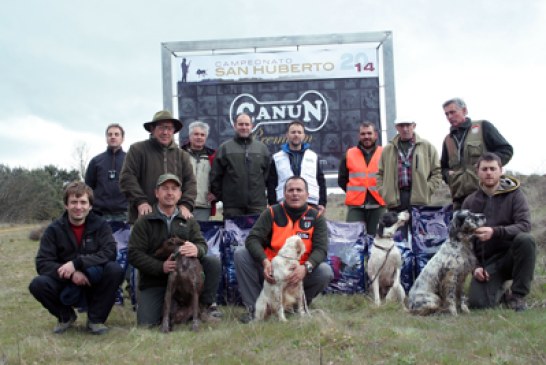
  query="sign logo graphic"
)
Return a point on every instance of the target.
[{"x": 311, "y": 108}]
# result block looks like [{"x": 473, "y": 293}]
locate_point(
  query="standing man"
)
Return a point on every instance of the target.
[
  {"x": 466, "y": 142},
  {"x": 149, "y": 233},
  {"x": 292, "y": 217},
  {"x": 147, "y": 160},
  {"x": 409, "y": 170},
  {"x": 239, "y": 172},
  {"x": 296, "y": 159},
  {"x": 201, "y": 158},
  {"x": 102, "y": 175},
  {"x": 358, "y": 178},
  {"x": 507, "y": 250},
  {"x": 76, "y": 264}
]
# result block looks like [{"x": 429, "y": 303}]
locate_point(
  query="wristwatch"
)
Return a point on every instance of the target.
[{"x": 308, "y": 267}]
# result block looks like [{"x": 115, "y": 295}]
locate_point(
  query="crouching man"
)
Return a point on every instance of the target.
[
  {"x": 269, "y": 233},
  {"x": 76, "y": 264},
  {"x": 506, "y": 250},
  {"x": 148, "y": 234}
]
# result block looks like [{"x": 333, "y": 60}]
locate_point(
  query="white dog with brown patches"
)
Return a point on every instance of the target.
[
  {"x": 385, "y": 262},
  {"x": 278, "y": 297},
  {"x": 440, "y": 285}
]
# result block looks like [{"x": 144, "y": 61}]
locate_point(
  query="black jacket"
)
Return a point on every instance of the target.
[
  {"x": 102, "y": 176},
  {"x": 58, "y": 245},
  {"x": 239, "y": 173}
]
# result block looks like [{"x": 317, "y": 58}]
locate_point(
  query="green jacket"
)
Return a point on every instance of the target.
[
  {"x": 147, "y": 236},
  {"x": 144, "y": 163},
  {"x": 239, "y": 173},
  {"x": 426, "y": 174}
]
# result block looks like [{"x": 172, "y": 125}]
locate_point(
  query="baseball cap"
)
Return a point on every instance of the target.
[
  {"x": 166, "y": 177},
  {"x": 404, "y": 120}
]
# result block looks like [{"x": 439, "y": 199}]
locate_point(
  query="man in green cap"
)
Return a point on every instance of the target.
[
  {"x": 149, "y": 233},
  {"x": 147, "y": 160}
]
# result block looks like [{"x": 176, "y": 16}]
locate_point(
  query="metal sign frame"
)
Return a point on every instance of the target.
[{"x": 382, "y": 40}]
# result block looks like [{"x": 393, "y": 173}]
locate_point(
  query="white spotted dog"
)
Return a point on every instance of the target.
[
  {"x": 439, "y": 287},
  {"x": 385, "y": 262},
  {"x": 278, "y": 297}
]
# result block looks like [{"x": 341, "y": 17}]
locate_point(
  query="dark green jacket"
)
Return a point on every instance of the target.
[
  {"x": 144, "y": 163},
  {"x": 148, "y": 234},
  {"x": 239, "y": 173}
]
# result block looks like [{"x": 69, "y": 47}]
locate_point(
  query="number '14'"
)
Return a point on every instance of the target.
[{"x": 367, "y": 67}]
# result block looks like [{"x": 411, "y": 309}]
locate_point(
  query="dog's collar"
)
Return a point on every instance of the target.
[
  {"x": 383, "y": 248},
  {"x": 288, "y": 257}
]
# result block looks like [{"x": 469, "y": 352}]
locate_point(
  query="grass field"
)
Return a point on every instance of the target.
[{"x": 342, "y": 330}]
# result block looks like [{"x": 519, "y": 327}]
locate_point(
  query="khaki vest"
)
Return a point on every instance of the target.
[{"x": 464, "y": 179}]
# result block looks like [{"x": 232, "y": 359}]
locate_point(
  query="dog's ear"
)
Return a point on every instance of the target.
[
  {"x": 389, "y": 219},
  {"x": 459, "y": 216}
]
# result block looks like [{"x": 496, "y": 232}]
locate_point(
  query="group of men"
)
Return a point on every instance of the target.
[{"x": 163, "y": 190}]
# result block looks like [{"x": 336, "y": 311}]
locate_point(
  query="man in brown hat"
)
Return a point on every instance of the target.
[{"x": 147, "y": 160}]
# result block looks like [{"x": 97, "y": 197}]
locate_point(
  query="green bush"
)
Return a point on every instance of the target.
[{"x": 32, "y": 195}]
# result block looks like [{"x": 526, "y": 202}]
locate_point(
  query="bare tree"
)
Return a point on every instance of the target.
[{"x": 81, "y": 156}]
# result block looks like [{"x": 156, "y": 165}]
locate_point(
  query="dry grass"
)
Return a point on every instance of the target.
[{"x": 342, "y": 330}]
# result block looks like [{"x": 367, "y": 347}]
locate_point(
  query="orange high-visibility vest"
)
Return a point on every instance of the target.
[
  {"x": 362, "y": 177},
  {"x": 284, "y": 227}
]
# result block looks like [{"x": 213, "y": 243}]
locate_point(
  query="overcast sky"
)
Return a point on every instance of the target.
[{"x": 69, "y": 68}]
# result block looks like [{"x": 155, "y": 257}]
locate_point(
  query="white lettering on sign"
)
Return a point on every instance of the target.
[{"x": 311, "y": 108}]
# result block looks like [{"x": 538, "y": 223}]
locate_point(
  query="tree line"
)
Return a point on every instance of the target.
[{"x": 32, "y": 195}]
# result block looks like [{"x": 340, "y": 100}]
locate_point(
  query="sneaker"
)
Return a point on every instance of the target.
[
  {"x": 213, "y": 311},
  {"x": 61, "y": 327},
  {"x": 96, "y": 328},
  {"x": 517, "y": 303}
]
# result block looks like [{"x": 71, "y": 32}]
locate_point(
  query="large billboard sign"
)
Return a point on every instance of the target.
[{"x": 330, "y": 88}]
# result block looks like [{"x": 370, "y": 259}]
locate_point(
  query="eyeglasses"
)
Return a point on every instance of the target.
[{"x": 167, "y": 128}]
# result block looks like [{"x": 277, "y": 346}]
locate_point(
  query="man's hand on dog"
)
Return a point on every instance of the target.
[
  {"x": 297, "y": 275},
  {"x": 268, "y": 271},
  {"x": 188, "y": 249}
]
